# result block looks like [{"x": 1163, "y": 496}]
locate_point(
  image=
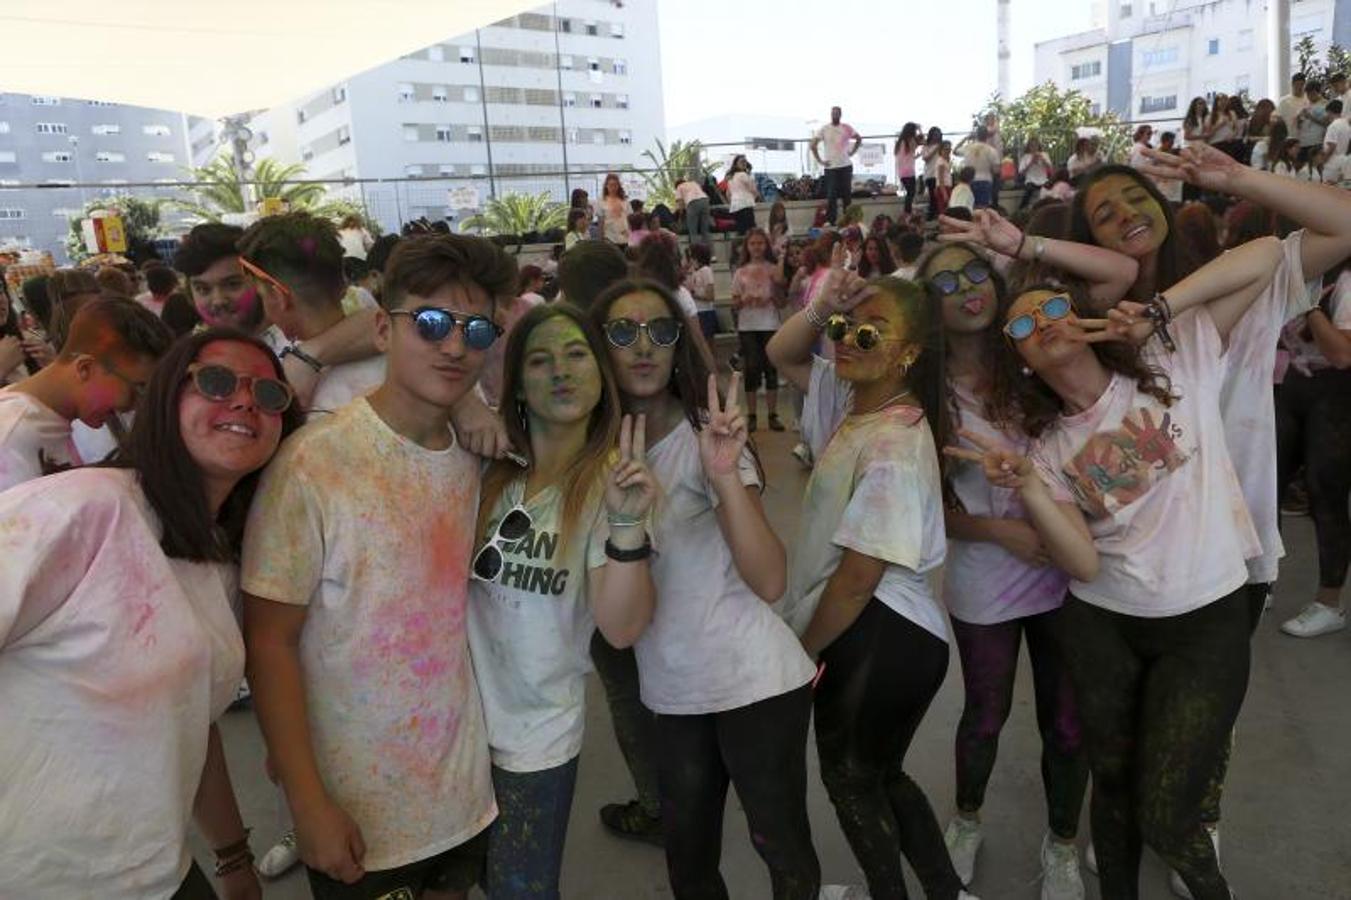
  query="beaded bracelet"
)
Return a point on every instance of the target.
[
  {"x": 814, "y": 316},
  {"x": 234, "y": 864}
]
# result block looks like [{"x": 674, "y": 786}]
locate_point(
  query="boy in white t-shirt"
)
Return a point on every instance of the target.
[
  {"x": 355, "y": 574},
  {"x": 110, "y": 354}
]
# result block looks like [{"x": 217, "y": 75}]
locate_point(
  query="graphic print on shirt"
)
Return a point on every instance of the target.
[
  {"x": 527, "y": 565},
  {"x": 1116, "y": 468}
]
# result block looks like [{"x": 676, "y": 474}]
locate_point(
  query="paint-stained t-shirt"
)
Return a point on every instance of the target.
[
  {"x": 530, "y": 631},
  {"x": 372, "y": 533},
  {"x": 114, "y": 660},
  {"x": 33, "y": 439}
]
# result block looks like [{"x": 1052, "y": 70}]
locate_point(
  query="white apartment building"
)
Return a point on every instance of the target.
[
  {"x": 1153, "y": 56},
  {"x": 574, "y": 85}
]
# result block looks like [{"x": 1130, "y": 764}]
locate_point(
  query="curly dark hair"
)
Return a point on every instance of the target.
[{"x": 1020, "y": 399}]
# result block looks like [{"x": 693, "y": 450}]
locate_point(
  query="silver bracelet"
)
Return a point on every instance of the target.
[
  {"x": 814, "y": 317},
  {"x": 618, "y": 520}
]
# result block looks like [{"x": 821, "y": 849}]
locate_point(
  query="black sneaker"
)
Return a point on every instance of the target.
[
  {"x": 750, "y": 422},
  {"x": 774, "y": 423},
  {"x": 630, "y": 820}
]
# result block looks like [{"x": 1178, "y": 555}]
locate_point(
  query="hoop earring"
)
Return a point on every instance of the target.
[{"x": 1027, "y": 371}]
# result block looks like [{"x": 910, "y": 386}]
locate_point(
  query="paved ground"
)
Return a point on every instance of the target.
[{"x": 1285, "y": 829}]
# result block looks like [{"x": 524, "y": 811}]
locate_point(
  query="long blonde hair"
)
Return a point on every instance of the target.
[{"x": 584, "y": 477}]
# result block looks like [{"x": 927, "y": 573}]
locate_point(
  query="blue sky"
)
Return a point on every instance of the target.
[{"x": 882, "y": 60}]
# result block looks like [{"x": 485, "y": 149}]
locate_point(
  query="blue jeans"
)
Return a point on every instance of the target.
[
  {"x": 983, "y": 192},
  {"x": 525, "y": 844},
  {"x": 699, "y": 222}
]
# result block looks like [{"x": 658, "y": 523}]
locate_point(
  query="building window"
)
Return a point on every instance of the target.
[
  {"x": 1245, "y": 39},
  {"x": 1125, "y": 11},
  {"x": 620, "y": 67},
  {"x": 8, "y": 156},
  {"x": 410, "y": 133},
  {"x": 1242, "y": 83},
  {"x": 565, "y": 25},
  {"x": 471, "y": 95},
  {"x": 443, "y": 134},
  {"x": 105, "y": 129},
  {"x": 340, "y": 93},
  {"x": 569, "y": 99},
  {"x": 1213, "y": 47},
  {"x": 57, "y": 156},
  {"x": 11, "y": 213},
  {"x": 478, "y": 169},
  {"x": 1305, "y": 25},
  {"x": 4, "y": 128},
  {"x": 617, "y": 29},
  {"x": 1086, "y": 70},
  {"x": 101, "y": 103},
  {"x": 573, "y": 135},
  {"x": 157, "y": 156},
  {"x": 466, "y": 54},
  {"x": 344, "y": 135},
  {"x": 413, "y": 170},
  {"x": 153, "y": 130},
  {"x": 597, "y": 101},
  {"x": 405, "y": 92},
  {"x": 437, "y": 53},
  {"x": 1150, "y": 104},
  {"x": 109, "y": 156},
  {"x": 51, "y": 128},
  {"x": 565, "y": 62},
  {"x": 445, "y": 169},
  {"x": 306, "y": 153},
  {"x": 592, "y": 29},
  {"x": 622, "y": 101},
  {"x": 1163, "y": 57},
  {"x": 45, "y": 101},
  {"x": 440, "y": 93},
  {"x": 474, "y": 133},
  {"x": 625, "y": 137}
]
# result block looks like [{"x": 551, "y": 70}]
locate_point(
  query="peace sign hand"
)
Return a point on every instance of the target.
[
  {"x": 630, "y": 489},
  {"x": 1001, "y": 468},
  {"x": 1198, "y": 164},
  {"x": 986, "y": 228},
  {"x": 842, "y": 291},
  {"x": 724, "y": 435}
]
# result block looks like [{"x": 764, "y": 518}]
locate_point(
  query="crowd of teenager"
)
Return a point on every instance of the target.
[{"x": 416, "y": 493}]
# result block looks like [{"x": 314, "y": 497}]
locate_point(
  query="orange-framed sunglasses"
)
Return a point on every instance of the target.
[{"x": 262, "y": 275}]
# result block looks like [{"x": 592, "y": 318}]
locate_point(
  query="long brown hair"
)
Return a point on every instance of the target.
[
  {"x": 170, "y": 478},
  {"x": 1020, "y": 399},
  {"x": 583, "y": 478},
  {"x": 744, "y": 257}
]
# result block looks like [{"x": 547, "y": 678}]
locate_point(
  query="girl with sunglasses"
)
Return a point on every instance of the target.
[
  {"x": 1132, "y": 492},
  {"x": 1000, "y": 584},
  {"x": 565, "y": 553},
  {"x": 726, "y": 677},
  {"x": 860, "y": 592},
  {"x": 757, "y": 296},
  {"x": 120, "y": 643}
]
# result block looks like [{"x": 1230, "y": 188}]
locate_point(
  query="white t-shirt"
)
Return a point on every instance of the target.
[
  {"x": 1247, "y": 404},
  {"x": 686, "y": 301},
  {"x": 372, "y": 533},
  {"x": 930, "y": 160},
  {"x": 754, "y": 284},
  {"x": 530, "y": 632},
  {"x": 983, "y": 583},
  {"x": 1155, "y": 483},
  {"x": 962, "y": 196},
  {"x": 741, "y": 192},
  {"x": 1288, "y": 107},
  {"x": 688, "y": 192},
  {"x": 1259, "y": 154},
  {"x": 1304, "y": 355},
  {"x": 698, "y": 283},
  {"x": 836, "y": 141},
  {"x": 713, "y": 644},
  {"x": 1138, "y": 157},
  {"x": 114, "y": 661},
  {"x": 341, "y": 384},
  {"x": 34, "y": 439},
  {"x": 876, "y": 489},
  {"x": 982, "y": 158},
  {"x": 1310, "y": 131},
  {"x": 1339, "y": 135},
  {"x": 1034, "y": 168},
  {"x": 355, "y": 242}
]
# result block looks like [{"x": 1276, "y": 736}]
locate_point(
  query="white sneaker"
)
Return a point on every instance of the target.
[
  {"x": 843, "y": 892},
  {"x": 803, "y": 454},
  {"x": 1060, "y": 878},
  {"x": 1315, "y": 620},
  {"x": 1175, "y": 880},
  {"x": 963, "y": 838},
  {"x": 279, "y": 860},
  {"x": 1091, "y": 858}
]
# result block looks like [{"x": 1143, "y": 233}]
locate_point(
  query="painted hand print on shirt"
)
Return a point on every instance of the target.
[{"x": 1116, "y": 468}]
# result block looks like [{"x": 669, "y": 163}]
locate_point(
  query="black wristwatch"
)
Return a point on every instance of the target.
[
  {"x": 293, "y": 350},
  {"x": 635, "y": 555}
]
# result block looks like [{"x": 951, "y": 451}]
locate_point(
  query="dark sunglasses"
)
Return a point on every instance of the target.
[
  {"x": 976, "y": 271},
  {"x": 662, "y": 332},
  {"x": 435, "y": 325},
  {"x": 219, "y": 383},
  {"x": 514, "y": 526},
  {"x": 1052, "y": 309},
  {"x": 866, "y": 336}
]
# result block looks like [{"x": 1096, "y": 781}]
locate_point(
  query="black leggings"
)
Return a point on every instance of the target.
[
  {"x": 1158, "y": 699},
  {"x": 931, "y": 185},
  {"x": 908, "y": 183},
  {"x": 762, "y": 749},
  {"x": 635, "y": 725},
  {"x": 989, "y": 655},
  {"x": 879, "y": 680},
  {"x": 755, "y": 365},
  {"x": 1313, "y": 430}
]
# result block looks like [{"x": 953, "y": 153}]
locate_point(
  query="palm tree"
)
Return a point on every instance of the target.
[
  {"x": 218, "y": 190},
  {"x": 671, "y": 164},
  {"x": 518, "y": 214}
]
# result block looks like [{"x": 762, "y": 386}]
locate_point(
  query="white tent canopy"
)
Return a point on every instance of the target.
[{"x": 215, "y": 59}]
